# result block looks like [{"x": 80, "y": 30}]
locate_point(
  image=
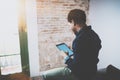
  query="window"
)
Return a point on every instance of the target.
[{"x": 13, "y": 43}]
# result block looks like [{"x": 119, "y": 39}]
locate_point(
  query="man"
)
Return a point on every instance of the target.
[{"x": 83, "y": 64}]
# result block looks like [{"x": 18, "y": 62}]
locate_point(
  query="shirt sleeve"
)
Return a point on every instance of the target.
[{"x": 78, "y": 56}]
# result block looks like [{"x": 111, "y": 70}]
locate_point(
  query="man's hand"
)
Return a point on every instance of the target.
[
  {"x": 70, "y": 47},
  {"x": 64, "y": 54}
]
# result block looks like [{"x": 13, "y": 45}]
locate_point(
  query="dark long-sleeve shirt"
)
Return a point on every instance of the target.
[{"x": 86, "y": 48}]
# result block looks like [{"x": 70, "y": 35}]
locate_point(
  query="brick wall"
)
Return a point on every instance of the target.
[{"x": 53, "y": 28}]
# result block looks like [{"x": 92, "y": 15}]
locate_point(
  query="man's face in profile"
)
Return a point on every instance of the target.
[{"x": 73, "y": 27}]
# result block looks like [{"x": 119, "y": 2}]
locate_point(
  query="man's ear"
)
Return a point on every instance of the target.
[{"x": 75, "y": 24}]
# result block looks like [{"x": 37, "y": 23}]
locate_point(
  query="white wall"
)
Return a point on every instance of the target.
[
  {"x": 105, "y": 19},
  {"x": 31, "y": 17}
]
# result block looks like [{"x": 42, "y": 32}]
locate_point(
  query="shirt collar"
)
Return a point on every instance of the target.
[{"x": 82, "y": 29}]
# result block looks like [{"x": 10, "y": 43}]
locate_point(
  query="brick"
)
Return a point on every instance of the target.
[{"x": 53, "y": 28}]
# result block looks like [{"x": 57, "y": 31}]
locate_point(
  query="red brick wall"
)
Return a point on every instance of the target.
[{"x": 53, "y": 28}]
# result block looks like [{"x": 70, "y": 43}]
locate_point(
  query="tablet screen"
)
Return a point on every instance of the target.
[{"x": 63, "y": 47}]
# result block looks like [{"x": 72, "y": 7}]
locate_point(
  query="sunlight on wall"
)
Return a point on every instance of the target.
[{"x": 9, "y": 37}]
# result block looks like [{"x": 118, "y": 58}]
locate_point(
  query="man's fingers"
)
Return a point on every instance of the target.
[{"x": 66, "y": 52}]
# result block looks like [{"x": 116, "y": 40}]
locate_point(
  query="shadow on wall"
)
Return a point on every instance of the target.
[{"x": 104, "y": 17}]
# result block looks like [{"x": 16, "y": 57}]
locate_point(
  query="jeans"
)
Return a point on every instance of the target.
[{"x": 62, "y": 73}]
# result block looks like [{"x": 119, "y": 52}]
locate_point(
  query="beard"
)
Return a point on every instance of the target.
[{"x": 74, "y": 31}]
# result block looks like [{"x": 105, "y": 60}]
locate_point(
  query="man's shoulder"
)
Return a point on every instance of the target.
[{"x": 88, "y": 35}]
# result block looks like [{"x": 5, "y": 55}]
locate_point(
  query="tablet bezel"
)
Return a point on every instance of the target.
[{"x": 65, "y": 45}]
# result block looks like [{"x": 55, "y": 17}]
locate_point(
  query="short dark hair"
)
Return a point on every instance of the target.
[{"x": 77, "y": 15}]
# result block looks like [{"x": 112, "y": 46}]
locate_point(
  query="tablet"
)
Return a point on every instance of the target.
[{"x": 63, "y": 47}]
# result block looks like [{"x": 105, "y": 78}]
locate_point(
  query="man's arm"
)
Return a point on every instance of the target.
[{"x": 79, "y": 51}]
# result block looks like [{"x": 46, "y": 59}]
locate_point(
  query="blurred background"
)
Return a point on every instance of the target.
[{"x": 30, "y": 30}]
